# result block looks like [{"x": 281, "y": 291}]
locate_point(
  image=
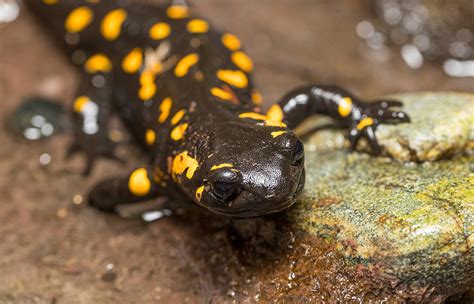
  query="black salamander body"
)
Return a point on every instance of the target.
[{"x": 186, "y": 93}]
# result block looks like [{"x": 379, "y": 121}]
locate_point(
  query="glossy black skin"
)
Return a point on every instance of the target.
[{"x": 269, "y": 171}]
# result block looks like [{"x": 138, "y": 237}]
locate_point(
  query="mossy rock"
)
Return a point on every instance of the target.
[{"x": 411, "y": 222}]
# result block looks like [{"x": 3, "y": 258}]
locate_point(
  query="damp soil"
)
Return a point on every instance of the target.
[{"x": 54, "y": 249}]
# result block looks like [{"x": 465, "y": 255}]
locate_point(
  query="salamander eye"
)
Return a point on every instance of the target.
[
  {"x": 225, "y": 184},
  {"x": 298, "y": 153}
]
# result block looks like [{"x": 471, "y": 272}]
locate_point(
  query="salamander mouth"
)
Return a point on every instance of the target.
[{"x": 300, "y": 187}]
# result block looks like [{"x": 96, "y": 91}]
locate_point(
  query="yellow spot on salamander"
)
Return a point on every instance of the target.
[
  {"x": 231, "y": 42},
  {"x": 253, "y": 115},
  {"x": 183, "y": 162},
  {"x": 148, "y": 88},
  {"x": 197, "y": 26},
  {"x": 241, "y": 60},
  {"x": 138, "y": 183},
  {"x": 177, "y": 11},
  {"x": 111, "y": 25},
  {"x": 275, "y": 113},
  {"x": 185, "y": 64},
  {"x": 278, "y": 133},
  {"x": 221, "y": 166},
  {"x": 177, "y": 117},
  {"x": 237, "y": 79},
  {"x": 218, "y": 92},
  {"x": 133, "y": 61},
  {"x": 165, "y": 108},
  {"x": 257, "y": 98},
  {"x": 199, "y": 193},
  {"x": 78, "y": 19},
  {"x": 79, "y": 103},
  {"x": 159, "y": 31},
  {"x": 50, "y": 2},
  {"x": 273, "y": 119},
  {"x": 345, "y": 107},
  {"x": 178, "y": 132},
  {"x": 98, "y": 63},
  {"x": 150, "y": 137},
  {"x": 365, "y": 122},
  {"x": 147, "y": 77},
  {"x": 147, "y": 91}
]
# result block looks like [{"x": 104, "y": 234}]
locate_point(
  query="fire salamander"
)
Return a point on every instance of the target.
[{"x": 185, "y": 91}]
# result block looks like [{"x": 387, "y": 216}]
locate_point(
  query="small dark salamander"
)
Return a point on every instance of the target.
[{"x": 185, "y": 92}]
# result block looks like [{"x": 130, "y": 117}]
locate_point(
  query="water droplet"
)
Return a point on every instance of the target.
[
  {"x": 365, "y": 29},
  {"x": 47, "y": 129},
  {"x": 412, "y": 56},
  {"x": 45, "y": 159},
  {"x": 32, "y": 134},
  {"x": 77, "y": 199},
  {"x": 459, "y": 68},
  {"x": 156, "y": 215},
  {"x": 9, "y": 11}
]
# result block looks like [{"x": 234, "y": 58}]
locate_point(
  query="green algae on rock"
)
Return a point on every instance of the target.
[{"x": 410, "y": 224}]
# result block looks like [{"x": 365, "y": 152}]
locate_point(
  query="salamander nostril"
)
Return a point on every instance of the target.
[{"x": 297, "y": 153}]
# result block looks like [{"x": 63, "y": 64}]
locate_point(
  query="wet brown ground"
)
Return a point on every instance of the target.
[{"x": 53, "y": 251}]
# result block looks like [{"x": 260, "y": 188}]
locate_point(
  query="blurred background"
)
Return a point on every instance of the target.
[{"x": 51, "y": 244}]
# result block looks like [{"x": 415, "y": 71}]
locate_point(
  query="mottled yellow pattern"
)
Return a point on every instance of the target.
[
  {"x": 253, "y": 115},
  {"x": 272, "y": 121},
  {"x": 159, "y": 31},
  {"x": 231, "y": 42},
  {"x": 278, "y": 133},
  {"x": 98, "y": 63},
  {"x": 150, "y": 137},
  {"x": 79, "y": 103},
  {"x": 139, "y": 184},
  {"x": 177, "y": 11},
  {"x": 237, "y": 79},
  {"x": 365, "y": 122},
  {"x": 132, "y": 62},
  {"x": 147, "y": 85},
  {"x": 275, "y": 113},
  {"x": 218, "y": 92},
  {"x": 183, "y": 162},
  {"x": 257, "y": 98},
  {"x": 197, "y": 26},
  {"x": 78, "y": 19},
  {"x": 242, "y": 61},
  {"x": 222, "y": 166},
  {"x": 178, "y": 132},
  {"x": 177, "y": 117},
  {"x": 111, "y": 25},
  {"x": 345, "y": 107},
  {"x": 199, "y": 192},
  {"x": 185, "y": 64},
  {"x": 165, "y": 108}
]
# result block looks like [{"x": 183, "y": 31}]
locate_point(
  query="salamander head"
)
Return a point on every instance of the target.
[{"x": 252, "y": 170}]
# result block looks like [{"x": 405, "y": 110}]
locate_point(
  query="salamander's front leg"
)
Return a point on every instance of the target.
[
  {"x": 92, "y": 110},
  {"x": 140, "y": 185},
  {"x": 362, "y": 118}
]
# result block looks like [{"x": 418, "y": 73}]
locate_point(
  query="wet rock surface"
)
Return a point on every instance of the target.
[
  {"x": 54, "y": 249},
  {"x": 442, "y": 126}
]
